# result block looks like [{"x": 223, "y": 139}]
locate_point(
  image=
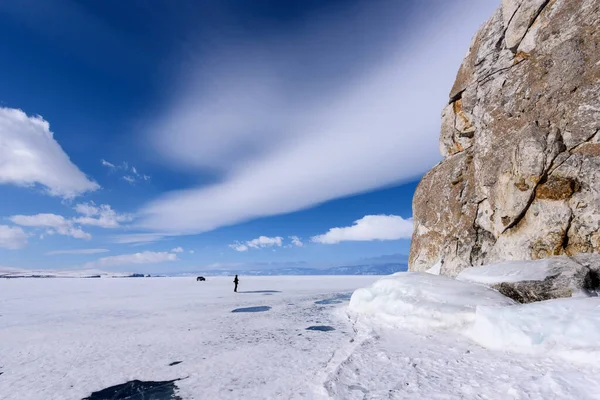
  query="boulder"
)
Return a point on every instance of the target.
[
  {"x": 520, "y": 179},
  {"x": 529, "y": 281}
]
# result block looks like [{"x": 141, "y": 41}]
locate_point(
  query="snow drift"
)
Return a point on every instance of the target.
[
  {"x": 569, "y": 328},
  {"x": 566, "y": 327},
  {"x": 420, "y": 300},
  {"x": 508, "y": 271}
]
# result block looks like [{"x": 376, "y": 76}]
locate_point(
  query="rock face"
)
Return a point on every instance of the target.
[
  {"x": 521, "y": 142},
  {"x": 530, "y": 281}
]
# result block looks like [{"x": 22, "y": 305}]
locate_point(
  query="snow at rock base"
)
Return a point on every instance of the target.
[
  {"x": 421, "y": 301},
  {"x": 569, "y": 328},
  {"x": 508, "y": 271}
]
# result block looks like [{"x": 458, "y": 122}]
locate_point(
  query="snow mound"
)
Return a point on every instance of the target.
[
  {"x": 421, "y": 301},
  {"x": 508, "y": 271},
  {"x": 566, "y": 327}
]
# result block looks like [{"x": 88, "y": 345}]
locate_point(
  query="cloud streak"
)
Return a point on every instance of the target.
[
  {"x": 30, "y": 155},
  {"x": 282, "y": 146},
  {"x": 369, "y": 228},
  {"x": 78, "y": 251},
  {"x": 146, "y": 257}
]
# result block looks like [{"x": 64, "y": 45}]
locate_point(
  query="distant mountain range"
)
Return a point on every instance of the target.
[
  {"x": 26, "y": 273},
  {"x": 382, "y": 265},
  {"x": 380, "y": 269}
]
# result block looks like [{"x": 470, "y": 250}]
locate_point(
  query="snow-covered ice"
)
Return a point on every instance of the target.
[
  {"x": 422, "y": 300},
  {"x": 419, "y": 332},
  {"x": 66, "y": 338},
  {"x": 566, "y": 327}
]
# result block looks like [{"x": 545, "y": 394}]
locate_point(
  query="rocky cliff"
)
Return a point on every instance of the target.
[{"x": 520, "y": 137}]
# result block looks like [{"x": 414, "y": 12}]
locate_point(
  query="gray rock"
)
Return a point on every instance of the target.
[
  {"x": 518, "y": 17},
  {"x": 520, "y": 138},
  {"x": 529, "y": 281}
]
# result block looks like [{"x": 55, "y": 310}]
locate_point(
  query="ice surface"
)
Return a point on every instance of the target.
[
  {"x": 508, "y": 271},
  {"x": 66, "y": 338},
  {"x": 420, "y": 300},
  {"x": 62, "y": 339},
  {"x": 566, "y": 327}
]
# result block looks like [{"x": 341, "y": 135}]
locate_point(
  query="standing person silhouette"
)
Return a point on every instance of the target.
[{"x": 236, "y": 281}]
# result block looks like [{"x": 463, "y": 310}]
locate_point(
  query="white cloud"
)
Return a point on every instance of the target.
[
  {"x": 296, "y": 241},
  {"x": 108, "y": 164},
  {"x": 192, "y": 252},
  {"x": 146, "y": 257},
  {"x": 265, "y": 241},
  {"x": 315, "y": 141},
  {"x": 258, "y": 243},
  {"x": 55, "y": 224},
  {"x": 177, "y": 250},
  {"x": 103, "y": 215},
  {"x": 368, "y": 228},
  {"x": 12, "y": 237},
  {"x": 239, "y": 247},
  {"x": 138, "y": 238},
  {"x": 30, "y": 155},
  {"x": 78, "y": 251}
]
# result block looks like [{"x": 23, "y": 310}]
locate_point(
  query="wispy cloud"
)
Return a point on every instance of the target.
[
  {"x": 132, "y": 174},
  {"x": 54, "y": 224},
  {"x": 12, "y": 237},
  {"x": 30, "y": 155},
  {"x": 138, "y": 238},
  {"x": 146, "y": 257},
  {"x": 368, "y": 228},
  {"x": 108, "y": 164},
  {"x": 282, "y": 146},
  {"x": 177, "y": 250},
  {"x": 78, "y": 251}
]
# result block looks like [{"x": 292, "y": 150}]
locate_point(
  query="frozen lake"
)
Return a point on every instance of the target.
[
  {"x": 66, "y": 338},
  {"x": 277, "y": 338}
]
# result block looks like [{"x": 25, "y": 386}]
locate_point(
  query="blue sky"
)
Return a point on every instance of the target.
[{"x": 201, "y": 134}]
